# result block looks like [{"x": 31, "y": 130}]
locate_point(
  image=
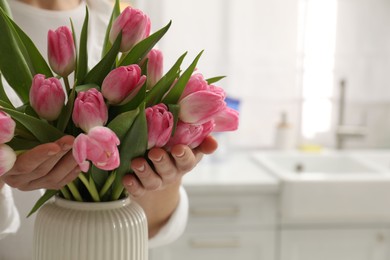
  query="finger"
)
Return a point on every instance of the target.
[
  {"x": 208, "y": 146},
  {"x": 32, "y": 159},
  {"x": 133, "y": 186},
  {"x": 57, "y": 164},
  {"x": 147, "y": 177},
  {"x": 55, "y": 176},
  {"x": 164, "y": 165},
  {"x": 185, "y": 159}
]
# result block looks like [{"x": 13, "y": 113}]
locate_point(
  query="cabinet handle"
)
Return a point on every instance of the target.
[
  {"x": 215, "y": 212},
  {"x": 225, "y": 243}
]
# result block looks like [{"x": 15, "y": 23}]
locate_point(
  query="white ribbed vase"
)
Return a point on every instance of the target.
[{"x": 70, "y": 230}]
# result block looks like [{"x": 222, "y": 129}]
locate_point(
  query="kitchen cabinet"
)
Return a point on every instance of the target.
[
  {"x": 227, "y": 226},
  {"x": 232, "y": 214},
  {"x": 335, "y": 244}
]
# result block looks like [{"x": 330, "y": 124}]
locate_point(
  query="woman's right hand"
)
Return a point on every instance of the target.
[{"x": 47, "y": 166}]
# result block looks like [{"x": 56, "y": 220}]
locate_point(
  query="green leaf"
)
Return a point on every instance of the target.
[
  {"x": 122, "y": 123},
  {"x": 141, "y": 49},
  {"x": 82, "y": 61},
  {"x": 174, "y": 95},
  {"x": 155, "y": 95},
  {"x": 3, "y": 95},
  {"x": 38, "y": 64},
  {"x": 43, "y": 131},
  {"x": 214, "y": 79},
  {"x": 66, "y": 112},
  {"x": 45, "y": 197},
  {"x": 17, "y": 72},
  {"x": 134, "y": 103},
  {"x": 133, "y": 145},
  {"x": 99, "y": 176},
  {"x": 19, "y": 144},
  {"x": 107, "y": 185},
  {"x": 114, "y": 14},
  {"x": 174, "y": 109},
  {"x": 85, "y": 87},
  {"x": 99, "y": 72},
  {"x": 4, "y": 5}
]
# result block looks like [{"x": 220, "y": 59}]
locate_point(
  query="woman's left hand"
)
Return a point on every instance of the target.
[{"x": 167, "y": 169}]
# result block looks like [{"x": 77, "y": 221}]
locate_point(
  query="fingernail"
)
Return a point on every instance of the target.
[
  {"x": 66, "y": 147},
  {"x": 51, "y": 153},
  {"x": 180, "y": 154},
  {"x": 158, "y": 159},
  {"x": 141, "y": 168}
]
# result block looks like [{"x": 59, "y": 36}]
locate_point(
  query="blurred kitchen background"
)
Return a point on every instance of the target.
[
  {"x": 310, "y": 77},
  {"x": 289, "y": 57}
]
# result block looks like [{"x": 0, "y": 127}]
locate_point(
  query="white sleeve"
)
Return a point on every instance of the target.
[
  {"x": 9, "y": 216},
  {"x": 176, "y": 225}
]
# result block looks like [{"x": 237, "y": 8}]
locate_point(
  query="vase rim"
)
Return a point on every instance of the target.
[{"x": 79, "y": 205}]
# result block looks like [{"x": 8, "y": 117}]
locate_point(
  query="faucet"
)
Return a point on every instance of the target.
[{"x": 344, "y": 131}]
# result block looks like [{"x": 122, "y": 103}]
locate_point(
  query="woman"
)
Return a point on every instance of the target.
[{"x": 51, "y": 166}]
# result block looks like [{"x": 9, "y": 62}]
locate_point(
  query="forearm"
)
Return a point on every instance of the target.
[
  {"x": 159, "y": 206},
  {"x": 1, "y": 184}
]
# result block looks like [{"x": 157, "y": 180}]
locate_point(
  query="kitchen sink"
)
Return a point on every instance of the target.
[{"x": 330, "y": 186}]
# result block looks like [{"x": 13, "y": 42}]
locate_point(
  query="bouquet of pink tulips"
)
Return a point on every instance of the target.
[{"x": 117, "y": 110}]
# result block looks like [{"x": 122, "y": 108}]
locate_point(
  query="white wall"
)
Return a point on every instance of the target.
[{"x": 257, "y": 44}]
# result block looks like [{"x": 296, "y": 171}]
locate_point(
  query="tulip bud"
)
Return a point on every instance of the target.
[
  {"x": 226, "y": 120},
  {"x": 122, "y": 84},
  {"x": 160, "y": 125},
  {"x": 189, "y": 134},
  {"x": 199, "y": 102},
  {"x": 99, "y": 146},
  {"x": 7, "y": 128},
  {"x": 135, "y": 26},
  {"x": 61, "y": 51},
  {"x": 7, "y": 158},
  {"x": 47, "y": 97},
  {"x": 200, "y": 107},
  {"x": 89, "y": 110},
  {"x": 155, "y": 68}
]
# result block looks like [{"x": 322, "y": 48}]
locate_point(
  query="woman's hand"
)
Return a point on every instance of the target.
[
  {"x": 156, "y": 188},
  {"x": 47, "y": 166},
  {"x": 167, "y": 168}
]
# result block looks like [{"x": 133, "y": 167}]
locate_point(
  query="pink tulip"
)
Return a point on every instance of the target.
[
  {"x": 135, "y": 26},
  {"x": 89, "y": 110},
  {"x": 190, "y": 134},
  {"x": 47, "y": 97},
  {"x": 226, "y": 120},
  {"x": 200, "y": 107},
  {"x": 199, "y": 102},
  {"x": 7, "y": 158},
  {"x": 99, "y": 146},
  {"x": 122, "y": 84},
  {"x": 7, "y": 128},
  {"x": 195, "y": 83},
  {"x": 155, "y": 67},
  {"x": 61, "y": 51},
  {"x": 160, "y": 124}
]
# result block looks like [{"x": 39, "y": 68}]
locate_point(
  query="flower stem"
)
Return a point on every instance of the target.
[
  {"x": 66, "y": 193},
  {"x": 75, "y": 193},
  {"x": 107, "y": 184},
  {"x": 67, "y": 85},
  {"x": 91, "y": 187},
  {"x": 118, "y": 189}
]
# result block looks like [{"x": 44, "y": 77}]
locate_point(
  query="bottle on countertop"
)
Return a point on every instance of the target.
[{"x": 284, "y": 138}]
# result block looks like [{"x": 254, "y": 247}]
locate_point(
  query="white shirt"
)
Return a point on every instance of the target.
[
  {"x": 36, "y": 23},
  {"x": 9, "y": 216}
]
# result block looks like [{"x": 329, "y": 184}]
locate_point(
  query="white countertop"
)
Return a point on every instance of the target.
[{"x": 236, "y": 171}]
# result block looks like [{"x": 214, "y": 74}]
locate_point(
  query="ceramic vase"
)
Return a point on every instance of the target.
[{"x": 70, "y": 230}]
